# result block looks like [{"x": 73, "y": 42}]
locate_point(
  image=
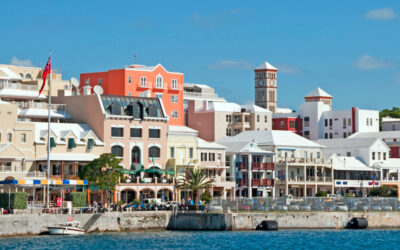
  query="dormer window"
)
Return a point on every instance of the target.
[
  {"x": 71, "y": 143},
  {"x": 52, "y": 143},
  {"x": 90, "y": 144},
  {"x": 159, "y": 82}
]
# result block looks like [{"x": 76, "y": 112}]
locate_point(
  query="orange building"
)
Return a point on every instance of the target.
[{"x": 145, "y": 81}]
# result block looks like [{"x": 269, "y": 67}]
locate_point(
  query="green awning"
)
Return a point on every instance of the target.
[
  {"x": 71, "y": 143},
  {"x": 153, "y": 170},
  {"x": 169, "y": 172},
  {"x": 126, "y": 171},
  {"x": 90, "y": 144},
  {"x": 52, "y": 142}
]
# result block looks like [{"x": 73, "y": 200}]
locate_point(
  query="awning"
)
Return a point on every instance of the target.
[
  {"x": 42, "y": 182},
  {"x": 126, "y": 171}
]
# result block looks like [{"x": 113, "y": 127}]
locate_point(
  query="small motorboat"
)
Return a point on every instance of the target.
[{"x": 69, "y": 228}]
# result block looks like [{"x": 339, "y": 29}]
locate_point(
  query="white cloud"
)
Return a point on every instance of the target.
[
  {"x": 21, "y": 62},
  {"x": 288, "y": 69},
  {"x": 227, "y": 64},
  {"x": 367, "y": 63},
  {"x": 381, "y": 14}
]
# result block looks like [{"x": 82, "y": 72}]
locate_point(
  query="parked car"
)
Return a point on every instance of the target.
[
  {"x": 214, "y": 207},
  {"x": 294, "y": 207},
  {"x": 305, "y": 207},
  {"x": 281, "y": 208},
  {"x": 244, "y": 207},
  {"x": 363, "y": 206},
  {"x": 340, "y": 206},
  {"x": 171, "y": 204}
]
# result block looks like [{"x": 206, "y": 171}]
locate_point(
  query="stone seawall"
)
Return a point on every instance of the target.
[
  {"x": 292, "y": 220},
  {"x": 31, "y": 224}
]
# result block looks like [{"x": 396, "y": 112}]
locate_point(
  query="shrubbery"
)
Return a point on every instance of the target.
[
  {"x": 383, "y": 191},
  {"x": 78, "y": 198},
  {"x": 18, "y": 200},
  {"x": 205, "y": 196},
  {"x": 321, "y": 193}
]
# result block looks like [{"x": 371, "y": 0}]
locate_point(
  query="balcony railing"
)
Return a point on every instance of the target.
[
  {"x": 155, "y": 180},
  {"x": 243, "y": 165},
  {"x": 262, "y": 182},
  {"x": 17, "y": 85},
  {"x": 308, "y": 179},
  {"x": 262, "y": 166},
  {"x": 243, "y": 182},
  {"x": 295, "y": 160},
  {"x": 40, "y": 105},
  {"x": 20, "y": 169}
]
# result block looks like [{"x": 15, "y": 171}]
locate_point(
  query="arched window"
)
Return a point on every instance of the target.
[
  {"x": 117, "y": 151},
  {"x": 135, "y": 156},
  {"x": 29, "y": 76},
  {"x": 159, "y": 81},
  {"x": 154, "y": 152}
]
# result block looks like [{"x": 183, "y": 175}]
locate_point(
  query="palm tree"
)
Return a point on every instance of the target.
[{"x": 195, "y": 180}]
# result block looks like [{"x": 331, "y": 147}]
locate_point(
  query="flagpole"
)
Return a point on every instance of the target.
[{"x": 48, "y": 143}]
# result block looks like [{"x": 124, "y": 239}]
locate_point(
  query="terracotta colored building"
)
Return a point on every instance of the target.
[{"x": 144, "y": 81}]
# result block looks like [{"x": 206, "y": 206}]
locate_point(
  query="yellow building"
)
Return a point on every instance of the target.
[{"x": 182, "y": 154}]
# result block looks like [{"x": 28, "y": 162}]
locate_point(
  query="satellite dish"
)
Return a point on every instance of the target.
[
  {"x": 75, "y": 82},
  {"x": 66, "y": 87},
  {"x": 98, "y": 89}
]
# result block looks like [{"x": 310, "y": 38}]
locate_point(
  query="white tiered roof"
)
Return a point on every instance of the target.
[
  {"x": 266, "y": 65},
  {"x": 318, "y": 92}
]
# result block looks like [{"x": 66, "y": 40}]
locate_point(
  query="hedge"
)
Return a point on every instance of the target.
[
  {"x": 18, "y": 200},
  {"x": 78, "y": 198}
]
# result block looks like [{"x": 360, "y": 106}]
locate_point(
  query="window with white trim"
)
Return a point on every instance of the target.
[
  {"x": 174, "y": 84},
  {"x": 143, "y": 81},
  {"x": 174, "y": 114},
  {"x": 23, "y": 138},
  {"x": 159, "y": 96},
  {"x": 129, "y": 79},
  {"x": 159, "y": 82},
  {"x": 174, "y": 98}
]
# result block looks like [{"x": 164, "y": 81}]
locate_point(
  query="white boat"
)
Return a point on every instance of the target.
[{"x": 69, "y": 228}]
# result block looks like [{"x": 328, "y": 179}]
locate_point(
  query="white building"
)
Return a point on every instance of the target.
[
  {"x": 290, "y": 163},
  {"x": 321, "y": 122},
  {"x": 357, "y": 160},
  {"x": 390, "y": 124}
]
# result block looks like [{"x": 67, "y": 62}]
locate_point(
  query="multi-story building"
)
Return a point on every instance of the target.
[
  {"x": 390, "y": 124},
  {"x": 391, "y": 138},
  {"x": 135, "y": 130},
  {"x": 219, "y": 119},
  {"x": 212, "y": 161},
  {"x": 293, "y": 164},
  {"x": 266, "y": 86},
  {"x": 359, "y": 160},
  {"x": 24, "y": 153},
  {"x": 316, "y": 119},
  {"x": 17, "y": 82},
  {"x": 199, "y": 93},
  {"x": 144, "y": 81}
]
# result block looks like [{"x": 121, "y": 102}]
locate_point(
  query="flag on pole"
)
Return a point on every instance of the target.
[{"x": 46, "y": 71}]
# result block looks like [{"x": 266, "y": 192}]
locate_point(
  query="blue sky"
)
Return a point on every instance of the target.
[{"x": 351, "y": 49}]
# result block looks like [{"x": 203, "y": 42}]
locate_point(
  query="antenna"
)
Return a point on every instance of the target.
[
  {"x": 98, "y": 89},
  {"x": 134, "y": 57},
  {"x": 75, "y": 82}
]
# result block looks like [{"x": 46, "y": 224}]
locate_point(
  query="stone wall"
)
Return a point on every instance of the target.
[
  {"x": 292, "y": 220},
  {"x": 28, "y": 224}
]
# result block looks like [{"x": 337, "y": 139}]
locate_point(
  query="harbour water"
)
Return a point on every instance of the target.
[{"x": 283, "y": 239}]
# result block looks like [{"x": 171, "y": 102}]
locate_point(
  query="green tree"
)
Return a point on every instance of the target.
[
  {"x": 205, "y": 196},
  {"x": 394, "y": 113},
  {"x": 103, "y": 173},
  {"x": 383, "y": 191},
  {"x": 321, "y": 193},
  {"x": 195, "y": 181}
]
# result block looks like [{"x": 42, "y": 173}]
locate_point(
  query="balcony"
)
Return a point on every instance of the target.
[
  {"x": 302, "y": 160},
  {"x": 149, "y": 181},
  {"x": 243, "y": 182},
  {"x": 10, "y": 170},
  {"x": 262, "y": 182},
  {"x": 146, "y": 85},
  {"x": 262, "y": 166},
  {"x": 242, "y": 165},
  {"x": 17, "y": 85},
  {"x": 41, "y": 105},
  {"x": 309, "y": 179}
]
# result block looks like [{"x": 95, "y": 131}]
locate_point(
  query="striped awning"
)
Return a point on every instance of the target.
[{"x": 42, "y": 182}]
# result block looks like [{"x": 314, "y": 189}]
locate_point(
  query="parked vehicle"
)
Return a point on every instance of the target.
[
  {"x": 340, "y": 206},
  {"x": 244, "y": 207},
  {"x": 171, "y": 204},
  {"x": 214, "y": 207},
  {"x": 305, "y": 207}
]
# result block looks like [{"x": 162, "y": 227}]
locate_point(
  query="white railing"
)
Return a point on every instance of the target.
[
  {"x": 40, "y": 105},
  {"x": 203, "y": 95},
  {"x": 16, "y": 85}
]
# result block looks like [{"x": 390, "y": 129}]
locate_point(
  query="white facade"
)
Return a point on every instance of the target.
[{"x": 390, "y": 124}]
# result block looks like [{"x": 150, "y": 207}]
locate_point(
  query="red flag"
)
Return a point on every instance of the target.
[{"x": 46, "y": 71}]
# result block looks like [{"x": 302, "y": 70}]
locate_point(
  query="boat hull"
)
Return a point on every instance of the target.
[{"x": 65, "y": 231}]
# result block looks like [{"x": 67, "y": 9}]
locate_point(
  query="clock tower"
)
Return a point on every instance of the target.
[{"x": 266, "y": 86}]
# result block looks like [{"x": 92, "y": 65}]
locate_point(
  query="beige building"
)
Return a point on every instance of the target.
[
  {"x": 215, "y": 120},
  {"x": 212, "y": 161}
]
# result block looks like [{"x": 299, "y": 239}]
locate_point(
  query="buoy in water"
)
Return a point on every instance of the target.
[
  {"x": 357, "y": 223},
  {"x": 267, "y": 225}
]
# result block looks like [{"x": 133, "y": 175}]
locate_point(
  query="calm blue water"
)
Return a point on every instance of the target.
[{"x": 245, "y": 240}]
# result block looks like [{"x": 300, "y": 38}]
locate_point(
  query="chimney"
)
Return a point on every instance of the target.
[{"x": 87, "y": 90}]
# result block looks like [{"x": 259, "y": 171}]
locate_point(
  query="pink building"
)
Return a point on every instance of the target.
[{"x": 135, "y": 130}]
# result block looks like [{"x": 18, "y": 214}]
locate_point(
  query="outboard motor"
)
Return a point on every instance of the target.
[
  {"x": 357, "y": 223},
  {"x": 267, "y": 225}
]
